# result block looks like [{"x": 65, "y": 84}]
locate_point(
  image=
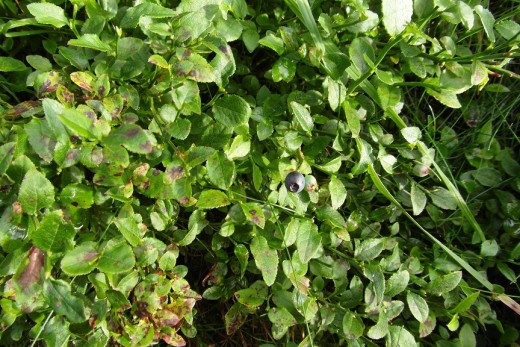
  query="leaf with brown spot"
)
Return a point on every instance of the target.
[
  {"x": 212, "y": 198},
  {"x": 32, "y": 273},
  {"x": 84, "y": 80},
  {"x": 47, "y": 83},
  {"x": 254, "y": 213},
  {"x": 133, "y": 138},
  {"x": 81, "y": 260},
  {"x": 235, "y": 318},
  {"x": 24, "y": 109}
]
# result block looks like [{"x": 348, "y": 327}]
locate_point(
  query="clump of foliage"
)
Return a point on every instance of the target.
[{"x": 144, "y": 148}]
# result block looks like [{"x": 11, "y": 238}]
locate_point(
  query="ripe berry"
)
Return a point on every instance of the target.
[{"x": 295, "y": 182}]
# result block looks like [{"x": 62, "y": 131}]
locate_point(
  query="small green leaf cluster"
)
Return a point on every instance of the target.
[{"x": 148, "y": 152}]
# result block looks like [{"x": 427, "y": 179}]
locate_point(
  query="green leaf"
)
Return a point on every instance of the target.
[
  {"x": 467, "y": 336},
  {"x": 308, "y": 241},
  {"x": 53, "y": 233},
  {"x": 239, "y": 148},
  {"x": 211, "y": 198},
  {"x": 365, "y": 157},
  {"x": 331, "y": 216},
  {"x": 444, "y": 284},
  {"x": 56, "y": 332},
  {"x": 361, "y": 50},
  {"x": 196, "y": 155},
  {"x": 242, "y": 255},
  {"x": 6, "y": 154},
  {"x": 489, "y": 248},
  {"x": 338, "y": 193},
  {"x": 368, "y": 249},
  {"x": 397, "y": 283},
  {"x": 59, "y": 297},
  {"x": 487, "y": 20},
  {"x": 196, "y": 224},
  {"x": 273, "y": 42},
  {"x": 8, "y": 64},
  {"x": 284, "y": 69},
  {"x": 148, "y": 9},
  {"x": 418, "y": 198},
  {"x": 353, "y": 119},
  {"x": 130, "y": 230},
  {"x": 116, "y": 257},
  {"x": 36, "y": 192},
  {"x": 39, "y": 63},
  {"x": 396, "y": 15},
  {"x": 91, "y": 41},
  {"x": 231, "y": 111},
  {"x": 331, "y": 166},
  {"x": 81, "y": 260},
  {"x": 411, "y": 134},
  {"x": 79, "y": 123},
  {"x": 180, "y": 129},
  {"x": 250, "y": 38},
  {"x": 488, "y": 177},
  {"x": 443, "y": 198},
  {"x": 399, "y": 337},
  {"x": 418, "y": 306},
  {"x": 254, "y": 213},
  {"x": 465, "y": 304},
  {"x": 508, "y": 29},
  {"x": 302, "y": 116},
  {"x": 446, "y": 97},
  {"x": 379, "y": 330},
  {"x": 266, "y": 259},
  {"x": 47, "y": 13}
]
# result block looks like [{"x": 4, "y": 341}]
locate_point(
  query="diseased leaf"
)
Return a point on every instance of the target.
[
  {"x": 133, "y": 138},
  {"x": 234, "y": 318},
  {"x": 254, "y": 213},
  {"x": 353, "y": 326},
  {"x": 282, "y": 320},
  {"x": 209, "y": 199},
  {"x": 81, "y": 260}
]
